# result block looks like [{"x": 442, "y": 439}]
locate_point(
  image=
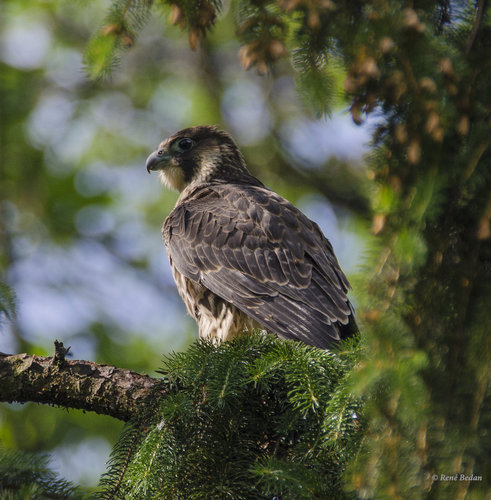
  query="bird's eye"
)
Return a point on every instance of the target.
[
  {"x": 160, "y": 152},
  {"x": 185, "y": 144}
]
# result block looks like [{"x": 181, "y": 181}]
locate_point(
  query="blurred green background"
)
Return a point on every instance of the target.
[{"x": 80, "y": 219}]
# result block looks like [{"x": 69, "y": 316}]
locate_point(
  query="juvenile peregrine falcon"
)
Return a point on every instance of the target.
[{"x": 242, "y": 256}]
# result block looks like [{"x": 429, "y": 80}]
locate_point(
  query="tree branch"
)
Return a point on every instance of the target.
[
  {"x": 105, "y": 389},
  {"x": 475, "y": 28}
]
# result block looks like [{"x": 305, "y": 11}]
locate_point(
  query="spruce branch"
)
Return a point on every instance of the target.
[
  {"x": 83, "y": 385},
  {"x": 28, "y": 475},
  {"x": 124, "y": 21},
  {"x": 7, "y": 302}
]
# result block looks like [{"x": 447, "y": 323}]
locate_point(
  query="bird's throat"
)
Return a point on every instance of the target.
[{"x": 173, "y": 178}]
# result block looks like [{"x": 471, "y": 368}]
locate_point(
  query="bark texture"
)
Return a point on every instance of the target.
[{"x": 84, "y": 385}]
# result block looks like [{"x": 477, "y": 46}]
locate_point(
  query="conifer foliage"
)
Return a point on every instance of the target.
[
  {"x": 27, "y": 475},
  {"x": 252, "y": 418}
]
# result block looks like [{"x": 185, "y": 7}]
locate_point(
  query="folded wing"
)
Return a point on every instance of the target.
[{"x": 254, "y": 249}]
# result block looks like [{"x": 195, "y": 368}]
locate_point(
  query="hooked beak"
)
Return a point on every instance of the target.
[{"x": 157, "y": 160}]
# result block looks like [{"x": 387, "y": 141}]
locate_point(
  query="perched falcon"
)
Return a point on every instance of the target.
[{"x": 242, "y": 256}]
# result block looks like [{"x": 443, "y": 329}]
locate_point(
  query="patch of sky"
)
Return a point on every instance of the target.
[
  {"x": 64, "y": 68},
  {"x": 94, "y": 179},
  {"x": 8, "y": 339},
  {"x": 62, "y": 290},
  {"x": 146, "y": 129},
  {"x": 113, "y": 111},
  {"x": 74, "y": 144},
  {"x": 134, "y": 187},
  {"x": 94, "y": 221},
  {"x": 83, "y": 462},
  {"x": 25, "y": 41},
  {"x": 132, "y": 240},
  {"x": 312, "y": 142},
  {"x": 348, "y": 246},
  {"x": 246, "y": 112},
  {"x": 48, "y": 123}
]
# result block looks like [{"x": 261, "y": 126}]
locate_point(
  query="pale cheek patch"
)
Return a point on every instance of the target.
[
  {"x": 209, "y": 159},
  {"x": 172, "y": 177}
]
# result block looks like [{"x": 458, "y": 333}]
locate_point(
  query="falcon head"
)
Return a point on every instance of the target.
[{"x": 197, "y": 155}]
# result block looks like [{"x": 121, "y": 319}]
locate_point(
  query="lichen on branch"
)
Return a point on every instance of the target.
[{"x": 78, "y": 384}]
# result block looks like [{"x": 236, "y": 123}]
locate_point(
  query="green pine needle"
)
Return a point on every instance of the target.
[
  {"x": 249, "y": 418},
  {"x": 27, "y": 475}
]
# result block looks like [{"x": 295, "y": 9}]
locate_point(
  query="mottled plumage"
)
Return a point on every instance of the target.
[{"x": 241, "y": 255}]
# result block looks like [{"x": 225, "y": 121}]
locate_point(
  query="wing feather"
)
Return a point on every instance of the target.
[{"x": 255, "y": 250}]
